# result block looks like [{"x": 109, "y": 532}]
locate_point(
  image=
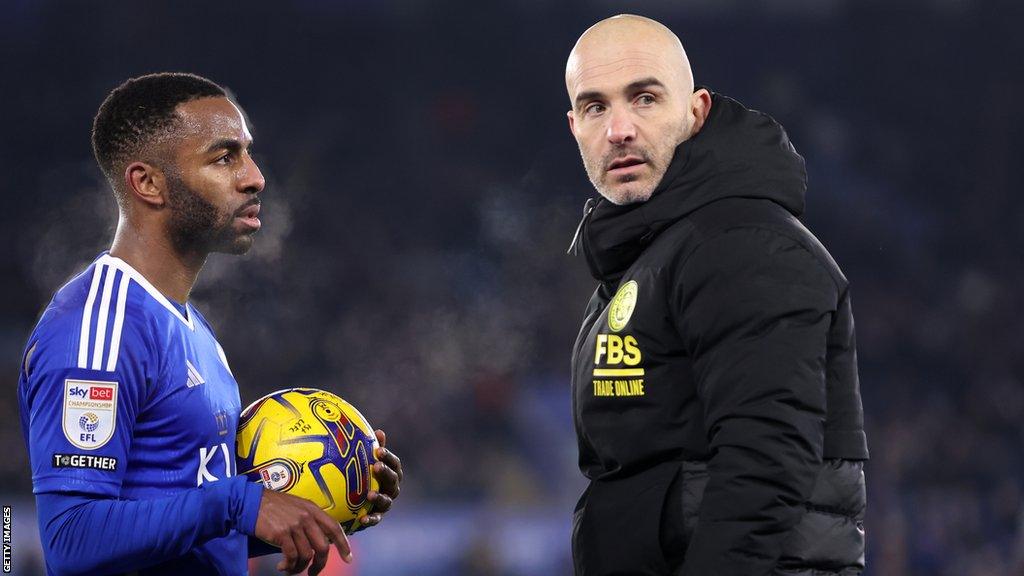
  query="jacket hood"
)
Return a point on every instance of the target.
[{"x": 739, "y": 153}]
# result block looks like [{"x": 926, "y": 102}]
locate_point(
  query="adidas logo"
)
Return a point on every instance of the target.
[{"x": 194, "y": 377}]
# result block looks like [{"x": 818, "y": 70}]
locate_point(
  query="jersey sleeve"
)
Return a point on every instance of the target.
[
  {"x": 108, "y": 536},
  {"x": 79, "y": 402}
]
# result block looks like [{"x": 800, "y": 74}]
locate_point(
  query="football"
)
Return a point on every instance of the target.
[{"x": 312, "y": 444}]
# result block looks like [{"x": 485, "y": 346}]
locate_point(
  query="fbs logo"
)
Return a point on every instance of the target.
[
  {"x": 622, "y": 305},
  {"x": 617, "y": 350}
]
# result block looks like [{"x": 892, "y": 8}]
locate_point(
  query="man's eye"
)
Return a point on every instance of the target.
[
  {"x": 225, "y": 159},
  {"x": 645, "y": 100},
  {"x": 594, "y": 108}
]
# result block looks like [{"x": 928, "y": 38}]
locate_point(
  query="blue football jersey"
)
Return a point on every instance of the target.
[{"x": 125, "y": 394}]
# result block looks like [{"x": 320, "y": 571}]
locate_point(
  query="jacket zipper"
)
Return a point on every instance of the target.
[{"x": 588, "y": 207}]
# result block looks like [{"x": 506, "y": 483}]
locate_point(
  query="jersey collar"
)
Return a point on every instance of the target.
[{"x": 115, "y": 262}]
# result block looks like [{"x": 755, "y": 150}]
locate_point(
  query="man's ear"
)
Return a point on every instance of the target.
[
  {"x": 700, "y": 107},
  {"x": 572, "y": 122},
  {"x": 146, "y": 183}
]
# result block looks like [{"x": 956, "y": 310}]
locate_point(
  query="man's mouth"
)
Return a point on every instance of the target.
[
  {"x": 250, "y": 216},
  {"x": 624, "y": 164}
]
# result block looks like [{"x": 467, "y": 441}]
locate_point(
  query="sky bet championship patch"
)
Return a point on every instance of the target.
[
  {"x": 84, "y": 461},
  {"x": 90, "y": 412}
]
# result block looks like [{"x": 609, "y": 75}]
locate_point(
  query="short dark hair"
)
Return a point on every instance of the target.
[{"x": 139, "y": 109}]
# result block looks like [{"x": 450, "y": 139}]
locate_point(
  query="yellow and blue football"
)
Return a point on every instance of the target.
[{"x": 312, "y": 444}]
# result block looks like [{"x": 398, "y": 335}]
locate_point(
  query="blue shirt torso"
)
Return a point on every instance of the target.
[{"x": 125, "y": 394}]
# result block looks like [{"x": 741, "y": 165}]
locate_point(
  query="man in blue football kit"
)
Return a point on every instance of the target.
[{"x": 128, "y": 404}]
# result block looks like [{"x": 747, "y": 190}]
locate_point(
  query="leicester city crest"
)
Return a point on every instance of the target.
[{"x": 621, "y": 307}]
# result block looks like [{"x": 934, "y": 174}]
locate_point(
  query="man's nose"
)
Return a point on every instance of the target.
[
  {"x": 251, "y": 180},
  {"x": 621, "y": 128}
]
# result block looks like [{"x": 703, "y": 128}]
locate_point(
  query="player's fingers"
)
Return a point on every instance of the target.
[
  {"x": 320, "y": 544},
  {"x": 288, "y": 552},
  {"x": 388, "y": 479},
  {"x": 370, "y": 520},
  {"x": 381, "y": 502},
  {"x": 335, "y": 535},
  {"x": 391, "y": 459},
  {"x": 382, "y": 438},
  {"x": 303, "y": 549}
]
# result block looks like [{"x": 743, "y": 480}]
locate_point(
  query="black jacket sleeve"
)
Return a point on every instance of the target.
[{"x": 754, "y": 308}]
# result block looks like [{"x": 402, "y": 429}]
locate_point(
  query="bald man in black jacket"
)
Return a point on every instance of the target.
[{"x": 715, "y": 390}]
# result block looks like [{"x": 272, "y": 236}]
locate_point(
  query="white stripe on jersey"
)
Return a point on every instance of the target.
[
  {"x": 83, "y": 339},
  {"x": 115, "y": 262},
  {"x": 224, "y": 359},
  {"x": 115, "y": 336},
  {"x": 107, "y": 267},
  {"x": 101, "y": 319}
]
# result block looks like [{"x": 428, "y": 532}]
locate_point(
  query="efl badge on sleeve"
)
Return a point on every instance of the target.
[{"x": 90, "y": 412}]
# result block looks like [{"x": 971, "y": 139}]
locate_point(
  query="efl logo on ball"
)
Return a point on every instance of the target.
[{"x": 277, "y": 476}]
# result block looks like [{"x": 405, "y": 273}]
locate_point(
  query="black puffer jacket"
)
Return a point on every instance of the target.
[{"x": 715, "y": 388}]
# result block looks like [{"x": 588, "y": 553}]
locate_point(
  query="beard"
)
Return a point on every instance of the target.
[
  {"x": 198, "y": 227},
  {"x": 623, "y": 190},
  {"x": 633, "y": 188}
]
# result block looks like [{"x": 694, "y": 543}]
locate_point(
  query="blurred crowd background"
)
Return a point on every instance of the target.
[{"x": 423, "y": 187}]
